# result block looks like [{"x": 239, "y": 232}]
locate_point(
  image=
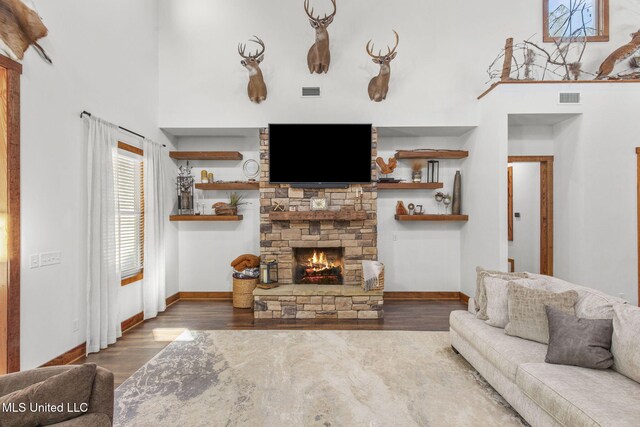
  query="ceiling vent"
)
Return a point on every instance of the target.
[
  {"x": 310, "y": 92},
  {"x": 569, "y": 98}
]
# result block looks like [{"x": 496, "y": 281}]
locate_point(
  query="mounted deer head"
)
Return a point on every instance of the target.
[
  {"x": 256, "y": 89},
  {"x": 379, "y": 85},
  {"x": 21, "y": 27},
  {"x": 319, "y": 57}
]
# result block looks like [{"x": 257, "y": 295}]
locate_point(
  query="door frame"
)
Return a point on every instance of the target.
[
  {"x": 14, "y": 70},
  {"x": 638, "y": 214},
  {"x": 546, "y": 208}
]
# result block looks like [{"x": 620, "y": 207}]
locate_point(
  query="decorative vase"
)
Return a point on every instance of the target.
[
  {"x": 456, "y": 208},
  {"x": 416, "y": 176}
]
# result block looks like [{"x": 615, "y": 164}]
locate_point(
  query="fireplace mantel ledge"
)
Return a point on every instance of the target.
[
  {"x": 320, "y": 290},
  {"x": 341, "y": 215}
]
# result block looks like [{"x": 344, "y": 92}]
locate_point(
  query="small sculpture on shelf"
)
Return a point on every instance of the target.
[
  {"x": 184, "y": 187},
  {"x": 400, "y": 209},
  {"x": 389, "y": 167},
  {"x": 230, "y": 208},
  {"x": 204, "y": 177}
]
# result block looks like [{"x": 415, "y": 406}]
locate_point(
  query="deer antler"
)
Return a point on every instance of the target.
[
  {"x": 379, "y": 55},
  {"x": 310, "y": 13},
  {"x": 242, "y": 47}
]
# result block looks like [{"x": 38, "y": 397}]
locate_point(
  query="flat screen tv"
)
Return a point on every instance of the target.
[{"x": 320, "y": 155}]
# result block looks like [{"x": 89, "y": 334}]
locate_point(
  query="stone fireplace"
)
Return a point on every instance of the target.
[
  {"x": 292, "y": 233},
  {"x": 321, "y": 266}
]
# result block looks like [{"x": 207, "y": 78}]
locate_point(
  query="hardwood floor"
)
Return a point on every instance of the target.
[{"x": 138, "y": 345}]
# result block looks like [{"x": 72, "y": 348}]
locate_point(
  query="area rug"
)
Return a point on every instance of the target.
[{"x": 309, "y": 378}]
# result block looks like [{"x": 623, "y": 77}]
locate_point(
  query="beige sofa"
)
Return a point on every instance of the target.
[
  {"x": 546, "y": 394},
  {"x": 100, "y": 413}
]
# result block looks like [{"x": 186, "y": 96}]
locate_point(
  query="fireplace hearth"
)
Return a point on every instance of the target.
[{"x": 318, "y": 266}]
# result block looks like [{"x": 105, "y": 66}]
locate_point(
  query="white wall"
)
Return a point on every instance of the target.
[
  {"x": 105, "y": 58},
  {"x": 206, "y": 249},
  {"x": 444, "y": 51},
  {"x": 525, "y": 247}
]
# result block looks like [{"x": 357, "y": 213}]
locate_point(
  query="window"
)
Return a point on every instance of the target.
[
  {"x": 566, "y": 19},
  {"x": 130, "y": 185}
]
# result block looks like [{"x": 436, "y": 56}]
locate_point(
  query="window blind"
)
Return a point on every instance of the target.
[{"x": 130, "y": 186}]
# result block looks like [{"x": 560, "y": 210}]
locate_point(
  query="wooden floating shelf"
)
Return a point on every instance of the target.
[
  {"x": 432, "y": 217},
  {"x": 205, "y": 155},
  {"x": 229, "y": 186},
  {"x": 205, "y": 217},
  {"x": 432, "y": 154},
  {"x": 410, "y": 185},
  {"x": 318, "y": 216}
]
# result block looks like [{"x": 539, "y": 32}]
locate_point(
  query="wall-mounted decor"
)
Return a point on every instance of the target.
[
  {"x": 184, "y": 187},
  {"x": 319, "y": 56},
  {"x": 256, "y": 89},
  {"x": 619, "y": 55},
  {"x": 20, "y": 28},
  {"x": 319, "y": 204},
  {"x": 387, "y": 168},
  {"x": 379, "y": 85},
  {"x": 251, "y": 169}
]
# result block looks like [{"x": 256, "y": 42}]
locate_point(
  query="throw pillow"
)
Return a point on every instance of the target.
[
  {"x": 527, "y": 315},
  {"x": 72, "y": 387},
  {"x": 626, "y": 340},
  {"x": 579, "y": 342},
  {"x": 481, "y": 296},
  {"x": 497, "y": 298}
]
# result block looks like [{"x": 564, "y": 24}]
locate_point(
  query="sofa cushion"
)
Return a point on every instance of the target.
[
  {"x": 481, "y": 296},
  {"x": 93, "y": 420},
  {"x": 505, "y": 353},
  {"x": 592, "y": 304},
  {"x": 497, "y": 293},
  {"x": 579, "y": 342},
  {"x": 70, "y": 389},
  {"x": 527, "y": 315},
  {"x": 581, "y": 397},
  {"x": 625, "y": 344}
]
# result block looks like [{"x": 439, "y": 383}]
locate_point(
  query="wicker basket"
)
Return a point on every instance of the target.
[
  {"x": 380, "y": 286},
  {"x": 243, "y": 292}
]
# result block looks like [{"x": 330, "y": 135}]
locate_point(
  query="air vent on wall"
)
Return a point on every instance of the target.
[
  {"x": 310, "y": 92},
  {"x": 569, "y": 98}
]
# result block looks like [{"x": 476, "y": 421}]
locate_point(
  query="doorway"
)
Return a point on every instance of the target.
[
  {"x": 530, "y": 213},
  {"x": 9, "y": 215}
]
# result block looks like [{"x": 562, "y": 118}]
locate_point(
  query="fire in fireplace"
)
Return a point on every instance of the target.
[{"x": 318, "y": 266}]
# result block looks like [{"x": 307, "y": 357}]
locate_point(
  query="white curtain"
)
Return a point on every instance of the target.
[
  {"x": 153, "y": 284},
  {"x": 103, "y": 258}
]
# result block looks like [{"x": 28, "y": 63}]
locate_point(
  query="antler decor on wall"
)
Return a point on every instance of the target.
[
  {"x": 256, "y": 89},
  {"x": 319, "y": 56},
  {"x": 20, "y": 27},
  {"x": 379, "y": 85}
]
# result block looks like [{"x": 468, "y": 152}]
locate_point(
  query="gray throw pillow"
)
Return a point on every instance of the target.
[
  {"x": 69, "y": 389},
  {"x": 579, "y": 342},
  {"x": 527, "y": 316}
]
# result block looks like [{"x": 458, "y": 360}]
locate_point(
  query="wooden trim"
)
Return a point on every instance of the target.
[
  {"x": 218, "y": 296},
  {"x": 638, "y": 214},
  {"x": 341, "y": 215},
  {"x": 546, "y": 82},
  {"x": 191, "y": 218},
  {"x": 173, "y": 299},
  {"x": 132, "y": 279},
  {"x": 422, "y": 296},
  {"x": 512, "y": 265},
  {"x": 464, "y": 297},
  {"x": 546, "y": 208},
  {"x": 130, "y": 148},
  {"x": 510, "y": 203},
  {"x": 132, "y": 321},
  {"x": 68, "y": 357},
  {"x": 603, "y": 23},
  {"x": 206, "y": 155},
  {"x": 10, "y": 64}
]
